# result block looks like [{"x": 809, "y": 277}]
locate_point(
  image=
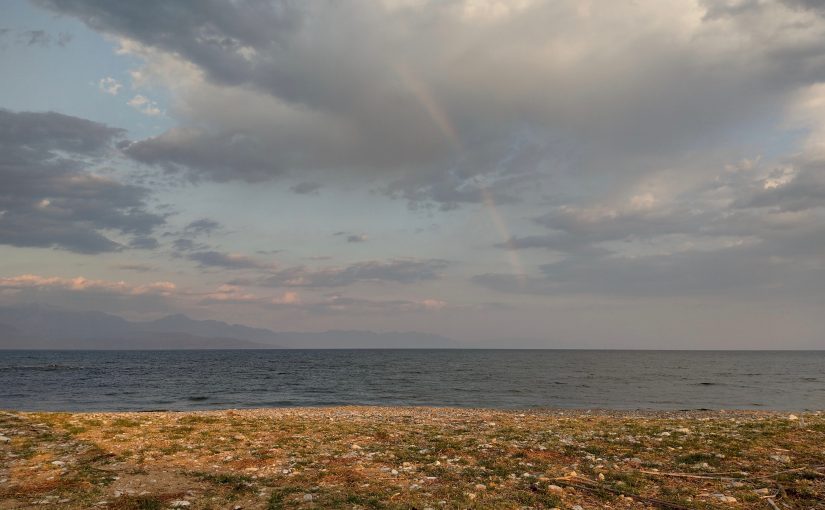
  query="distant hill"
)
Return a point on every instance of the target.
[
  {"x": 179, "y": 323},
  {"x": 45, "y": 327}
]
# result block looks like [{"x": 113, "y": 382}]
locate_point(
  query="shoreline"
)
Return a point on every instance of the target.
[
  {"x": 412, "y": 457},
  {"x": 595, "y": 411},
  {"x": 548, "y": 410}
]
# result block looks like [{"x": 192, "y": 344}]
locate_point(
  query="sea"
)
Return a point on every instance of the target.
[{"x": 510, "y": 379}]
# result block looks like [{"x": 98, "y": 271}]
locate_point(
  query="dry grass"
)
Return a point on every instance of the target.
[{"x": 375, "y": 457}]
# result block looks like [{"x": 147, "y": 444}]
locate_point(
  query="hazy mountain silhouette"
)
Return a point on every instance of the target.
[{"x": 46, "y": 327}]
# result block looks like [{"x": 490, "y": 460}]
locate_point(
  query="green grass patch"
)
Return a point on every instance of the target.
[{"x": 235, "y": 483}]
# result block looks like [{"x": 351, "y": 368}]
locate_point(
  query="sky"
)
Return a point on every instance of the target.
[{"x": 521, "y": 173}]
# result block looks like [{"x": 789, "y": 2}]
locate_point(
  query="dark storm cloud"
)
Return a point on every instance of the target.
[
  {"x": 49, "y": 197},
  {"x": 405, "y": 271}
]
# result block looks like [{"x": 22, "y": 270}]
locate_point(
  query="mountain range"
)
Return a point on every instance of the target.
[{"x": 45, "y": 327}]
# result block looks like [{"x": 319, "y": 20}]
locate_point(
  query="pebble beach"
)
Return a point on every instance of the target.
[{"x": 422, "y": 458}]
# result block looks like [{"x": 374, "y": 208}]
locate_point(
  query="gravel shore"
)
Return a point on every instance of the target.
[{"x": 399, "y": 457}]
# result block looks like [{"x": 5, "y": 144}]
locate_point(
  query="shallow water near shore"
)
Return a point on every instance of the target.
[{"x": 191, "y": 380}]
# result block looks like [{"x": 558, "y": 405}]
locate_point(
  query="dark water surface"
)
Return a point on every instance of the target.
[{"x": 147, "y": 380}]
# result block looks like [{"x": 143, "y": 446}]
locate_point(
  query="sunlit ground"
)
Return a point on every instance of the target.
[{"x": 411, "y": 458}]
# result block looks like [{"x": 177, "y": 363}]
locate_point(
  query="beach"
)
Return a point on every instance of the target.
[{"x": 412, "y": 457}]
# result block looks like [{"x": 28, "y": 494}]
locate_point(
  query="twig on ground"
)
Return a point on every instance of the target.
[
  {"x": 691, "y": 475},
  {"x": 588, "y": 485}
]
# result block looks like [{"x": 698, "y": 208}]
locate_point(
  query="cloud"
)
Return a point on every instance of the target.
[
  {"x": 186, "y": 240},
  {"x": 183, "y": 244},
  {"x": 306, "y": 188},
  {"x": 109, "y": 86},
  {"x": 33, "y": 281},
  {"x": 161, "y": 296},
  {"x": 202, "y": 226},
  {"x": 35, "y": 38},
  {"x": 57, "y": 201},
  {"x": 144, "y": 243},
  {"x": 678, "y": 250},
  {"x": 352, "y": 238},
  {"x": 735, "y": 272},
  {"x": 439, "y": 100},
  {"x": 749, "y": 228},
  {"x": 404, "y": 271},
  {"x": 80, "y": 293},
  {"x": 231, "y": 294},
  {"x": 663, "y": 148},
  {"x": 329, "y": 304},
  {"x": 145, "y": 105},
  {"x": 138, "y": 268},
  {"x": 226, "y": 260},
  {"x": 340, "y": 304}
]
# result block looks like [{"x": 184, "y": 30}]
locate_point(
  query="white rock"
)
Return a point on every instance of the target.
[
  {"x": 555, "y": 489},
  {"x": 307, "y": 497},
  {"x": 181, "y": 503},
  {"x": 4, "y": 439},
  {"x": 793, "y": 417}
]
